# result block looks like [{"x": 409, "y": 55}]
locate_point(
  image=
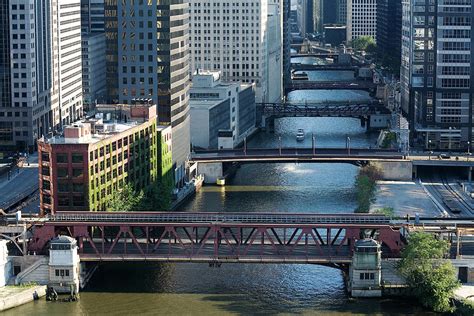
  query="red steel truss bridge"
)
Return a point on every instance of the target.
[{"x": 217, "y": 237}]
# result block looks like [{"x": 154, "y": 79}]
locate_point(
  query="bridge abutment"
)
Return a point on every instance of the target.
[
  {"x": 211, "y": 171},
  {"x": 395, "y": 170}
]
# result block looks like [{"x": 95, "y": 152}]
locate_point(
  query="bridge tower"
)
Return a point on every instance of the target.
[
  {"x": 64, "y": 265},
  {"x": 365, "y": 271}
]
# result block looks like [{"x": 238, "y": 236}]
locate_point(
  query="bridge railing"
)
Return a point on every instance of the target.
[{"x": 203, "y": 217}]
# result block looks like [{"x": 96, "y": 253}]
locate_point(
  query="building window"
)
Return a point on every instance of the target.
[
  {"x": 367, "y": 276},
  {"x": 77, "y": 158},
  {"x": 77, "y": 172},
  {"x": 62, "y": 173},
  {"x": 61, "y": 158},
  {"x": 44, "y": 156}
]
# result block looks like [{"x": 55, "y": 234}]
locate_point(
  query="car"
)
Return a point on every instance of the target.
[{"x": 444, "y": 156}]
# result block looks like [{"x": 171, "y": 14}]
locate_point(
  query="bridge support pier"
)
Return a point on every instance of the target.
[
  {"x": 211, "y": 171},
  {"x": 268, "y": 123},
  {"x": 395, "y": 170}
]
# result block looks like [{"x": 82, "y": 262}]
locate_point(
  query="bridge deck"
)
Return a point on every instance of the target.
[
  {"x": 222, "y": 218},
  {"x": 352, "y": 155}
]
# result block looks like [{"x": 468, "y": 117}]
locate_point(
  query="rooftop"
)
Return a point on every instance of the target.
[
  {"x": 107, "y": 121},
  {"x": 205, "y": 104}
]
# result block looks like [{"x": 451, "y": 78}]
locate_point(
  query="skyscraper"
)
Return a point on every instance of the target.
[
  {"x": 147, "y": 58},
  {"x": 436, "y": 72},
  {"x": 233, "y": 37},
  {"x": 361, "y": 18},
  {"x": 92, "y": 16},
  {"x": 40, "y": 69},
  {"x": 93, "y": 52}
]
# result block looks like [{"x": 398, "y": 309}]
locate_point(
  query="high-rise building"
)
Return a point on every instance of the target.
[
  {"x": 286, "y": 41},
  {"x": 93, "y": 68},
  {"x": 309, "y": 16},
  {"x": 233, "y": 37},
  {"x": 147, "y": 58},
  {"x": 342, "y": 11},
  {"x": 436, "y": 72},
  {"x": 40, "y": 69},
  {"x": 93, "y": 52},
  {"x": 361, "y": 19},
  {"x": 389, "y": 31},
  {"x": 329, "y": 11},
  {"x": 92, "y": 16}
]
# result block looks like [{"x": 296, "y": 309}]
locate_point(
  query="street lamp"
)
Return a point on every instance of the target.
[
  {"x": 468, "y": 150},
  {"x": 245, "y": 146},
  {"x": 348, "y": 145},
  {"x": 429, "y": 157},
  {"x": 313, "y": 140},
  {"x": 279, "y": 144}
]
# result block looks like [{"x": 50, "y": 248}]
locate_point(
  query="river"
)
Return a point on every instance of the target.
[{"x": 197, "y": 289}]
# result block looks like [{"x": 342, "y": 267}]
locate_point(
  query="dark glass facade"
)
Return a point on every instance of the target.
[{"x": 6, "y": 127}]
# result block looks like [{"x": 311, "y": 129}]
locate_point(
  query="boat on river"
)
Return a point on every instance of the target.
[{"x": 300, "y": 135}]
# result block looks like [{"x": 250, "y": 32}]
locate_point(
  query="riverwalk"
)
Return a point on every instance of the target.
[{"x": 13, "y": 296}]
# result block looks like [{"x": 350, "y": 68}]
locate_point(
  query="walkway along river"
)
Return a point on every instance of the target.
[{"x": 197, "y": 289}]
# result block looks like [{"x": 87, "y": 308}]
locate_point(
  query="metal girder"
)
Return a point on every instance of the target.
[{"x": 217, "y": 241}]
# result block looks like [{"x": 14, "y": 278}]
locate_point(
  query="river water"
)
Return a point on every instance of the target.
[{"x": 197, "y": 289}]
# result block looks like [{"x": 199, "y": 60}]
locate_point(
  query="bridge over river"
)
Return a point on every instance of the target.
[{"x": 218, "y": 237}]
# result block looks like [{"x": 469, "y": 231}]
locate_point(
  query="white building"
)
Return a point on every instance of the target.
[
  {"x": 40, "y": 69},
  {"x": 208, "y": 117},
  {"x": 207, "y": 86},
  {"x": 232, "y": 37},
  {"x": 361, "y": 18}
]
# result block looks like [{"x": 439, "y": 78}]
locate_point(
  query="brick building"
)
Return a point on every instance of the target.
[{"x": 95, "y": 157}]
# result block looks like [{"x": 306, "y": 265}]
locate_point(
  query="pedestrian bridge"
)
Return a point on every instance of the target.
[{"x": 218, "y": 237}]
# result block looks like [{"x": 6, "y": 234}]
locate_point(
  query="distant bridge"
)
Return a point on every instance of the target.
[
  {"x": 365, "y": 111},
  {"x": 333, "y": 67},
  {"x": 347, "y": 109},
  {"x": 330, "y": 85}
]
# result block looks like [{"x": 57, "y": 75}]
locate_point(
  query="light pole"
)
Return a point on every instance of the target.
[
  {"x": 279, "y": 144},
  {"x": 348, "y": 145},
  {"x": 429, "y": 157},
  {"x": 468, "y": 150},
  {"x": 313, "y": 141},
  {"x": 245, "y": 146}
]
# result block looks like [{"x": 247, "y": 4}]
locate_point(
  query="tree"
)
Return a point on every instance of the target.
[
  {"x": 158, "y": 198},
  {"x": 432, "y": 279},
  {"x": 365, "y": 187},
  {"x": 365, "y": 43},
  {"x": 125, "y": 200}
]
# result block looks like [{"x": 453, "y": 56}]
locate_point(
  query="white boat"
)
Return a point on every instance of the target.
[{"x": 300, "y": 135}]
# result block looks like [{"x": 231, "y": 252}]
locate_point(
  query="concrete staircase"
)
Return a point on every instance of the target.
[
  {"x": 38, "y": 272},
  {"x": 390, "y": 276}
]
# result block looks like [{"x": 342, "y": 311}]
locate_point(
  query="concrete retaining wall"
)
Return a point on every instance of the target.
[
  {"x": 22, "y": 297},
  {"x": 211, "y": 171},
  {"x": 395, "y": 170}
]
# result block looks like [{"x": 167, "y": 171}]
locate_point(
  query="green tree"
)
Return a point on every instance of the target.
[
  {"x": 365, "y": 187},
  {"x": 365, "y": 43},
  {"x": 158, "y": 198},
  {"x": 387, "y": 211},
  {"x": 432, "y": 279},
  {"x": 125, "y": 200}
]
